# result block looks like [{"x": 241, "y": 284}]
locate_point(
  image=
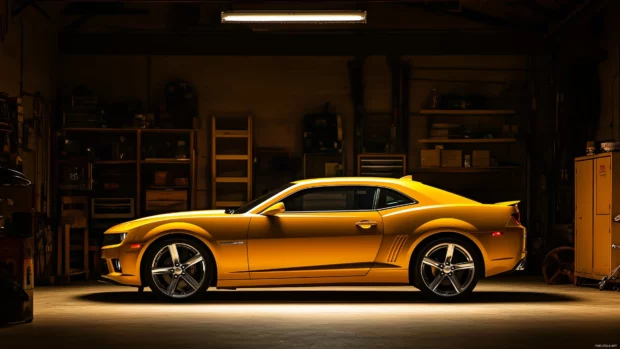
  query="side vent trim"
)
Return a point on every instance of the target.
[{"x": 397, "y": 245}]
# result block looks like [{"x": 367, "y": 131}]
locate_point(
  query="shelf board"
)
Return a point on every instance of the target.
[
  {"x": 96, "y": 129},
  {"x": 464, "y": 169},
  {"x": 232, "y": 180},
  {"x": 229, "y": 203},
  {"x": 165, "y": 187},
  {"x": 166, "y": 161},
  {"x": 467, "y": 140},
  {"x": 466, "y": 112},
  {"x": 74, "y": 272},
  {"x": 165, "y": 130},
  {"x": 231, "y": 157},
  {"x": 104, "y": 129},
  {"x": 101, "y": 162},
  {"x": 113, "y": 162},
  {"x": 231, "y": 134}
]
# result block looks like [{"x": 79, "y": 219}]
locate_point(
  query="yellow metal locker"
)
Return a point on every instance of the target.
[
  {"x": 597, "y": 202},
  {"x": 601, "y": 251},
  {"x": 603, "y": 185},
  {"x": 583, "y": 216}
]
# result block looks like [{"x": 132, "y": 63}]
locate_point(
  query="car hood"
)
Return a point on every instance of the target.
[{"x": 127, "y": 226}]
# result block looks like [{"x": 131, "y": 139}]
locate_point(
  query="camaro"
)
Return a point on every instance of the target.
[{"x": 332, "y": 231}]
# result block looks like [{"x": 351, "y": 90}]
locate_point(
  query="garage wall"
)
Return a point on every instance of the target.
[
  {"x": 608, "y": 69},
  {"x": 39, "y": 51},
  {"x": 39, "y": 68},
  {"x": 278, "y": 91}
]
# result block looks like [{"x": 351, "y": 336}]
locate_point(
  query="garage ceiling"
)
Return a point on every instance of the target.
[{"x": 394, "y": 27}]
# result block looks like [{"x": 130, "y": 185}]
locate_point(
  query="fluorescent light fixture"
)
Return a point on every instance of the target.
[{"x": 294, "y": 17}]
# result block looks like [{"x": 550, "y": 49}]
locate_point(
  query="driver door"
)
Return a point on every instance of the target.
[{"x": 327, "y": 231}]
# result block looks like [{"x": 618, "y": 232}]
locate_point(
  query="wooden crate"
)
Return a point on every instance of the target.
[{"x": 166, "y": 200}]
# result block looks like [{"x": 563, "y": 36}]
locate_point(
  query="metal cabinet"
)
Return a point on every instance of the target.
[
  {"x": 597, "y": 202},
  {"x": 382, "y": 165}
]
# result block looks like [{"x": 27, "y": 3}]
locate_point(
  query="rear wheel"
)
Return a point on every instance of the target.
[
  {"x": 447, "y": 269},
  {"x": 178, "y": 269}
]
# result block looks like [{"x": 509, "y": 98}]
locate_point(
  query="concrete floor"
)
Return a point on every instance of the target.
[{"x": 505, "y": 312}]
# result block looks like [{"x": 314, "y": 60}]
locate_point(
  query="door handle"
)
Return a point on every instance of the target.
[{"x": 366, "y": 224}]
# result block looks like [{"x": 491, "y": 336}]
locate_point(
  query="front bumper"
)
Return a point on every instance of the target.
[{"x": 127, "y": 259}]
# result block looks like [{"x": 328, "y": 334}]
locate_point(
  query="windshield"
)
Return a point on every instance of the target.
[{"x": 259, "y": 200}]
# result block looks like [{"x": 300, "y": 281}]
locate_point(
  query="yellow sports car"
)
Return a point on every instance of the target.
[{"x": 332, "y": 231}]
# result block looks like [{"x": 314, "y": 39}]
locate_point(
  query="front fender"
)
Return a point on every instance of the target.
[
  {"x": 154, "y": 233},
  {"x": 172, "y": 227}
]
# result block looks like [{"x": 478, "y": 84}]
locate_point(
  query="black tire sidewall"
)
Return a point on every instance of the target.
[
  {"x": 147, "y": 261},
  {"x": 478, "y": 265}
]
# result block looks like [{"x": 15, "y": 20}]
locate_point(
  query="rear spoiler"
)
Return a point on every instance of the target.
[
  {"x": 515, "y": 205},
  {"x": 508, "y": 203}
]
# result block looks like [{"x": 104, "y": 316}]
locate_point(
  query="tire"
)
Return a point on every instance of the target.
[
  {"x": 186, "y": 280},
  {"x": 447, "y": 279}
]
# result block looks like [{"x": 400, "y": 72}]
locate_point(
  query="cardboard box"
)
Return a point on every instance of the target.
[
  {"x": 451, "y": 158},
  {"x": 430, "y": 157},
  {"x": 440, "y": 133},
  {"x": 481, "y": 158}
]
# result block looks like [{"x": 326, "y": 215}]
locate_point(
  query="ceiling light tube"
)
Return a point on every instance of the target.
[{"x": 294, "y": 17}]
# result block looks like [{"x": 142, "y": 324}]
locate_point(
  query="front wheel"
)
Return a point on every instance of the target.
[
  {"x": 447, "y": 269},
  {"x": 178, "y": 269}
]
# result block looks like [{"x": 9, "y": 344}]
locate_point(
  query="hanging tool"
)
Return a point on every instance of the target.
[{"x": 615, "y": 274}]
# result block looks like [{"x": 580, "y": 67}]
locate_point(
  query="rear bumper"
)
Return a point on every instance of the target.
[{"x": 521, "y": 265}]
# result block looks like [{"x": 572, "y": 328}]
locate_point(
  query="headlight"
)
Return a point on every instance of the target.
[{"x": 113, "y": 239}]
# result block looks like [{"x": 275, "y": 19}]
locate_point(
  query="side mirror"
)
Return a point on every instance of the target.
[{"x": 274, "y": 209}]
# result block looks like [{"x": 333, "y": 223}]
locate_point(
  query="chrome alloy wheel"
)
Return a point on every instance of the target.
[
  {"x": 178, "y": 270},
  {"x": 447, "y": 269}
]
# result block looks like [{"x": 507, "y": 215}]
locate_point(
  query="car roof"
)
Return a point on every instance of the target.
[
  {"x": 432, "y": 194},
  {"x": 354, "y": 179}
]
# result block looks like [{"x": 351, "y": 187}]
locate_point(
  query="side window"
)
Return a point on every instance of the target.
[
  {"x": 390, "y": 198},
  {"x": 346, "y": 198}
]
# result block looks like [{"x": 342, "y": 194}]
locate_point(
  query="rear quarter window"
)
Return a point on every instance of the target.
[{"x": 391, "y": 198}]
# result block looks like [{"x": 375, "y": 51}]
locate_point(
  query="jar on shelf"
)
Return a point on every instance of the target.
[{"x": 181, "y": 150}]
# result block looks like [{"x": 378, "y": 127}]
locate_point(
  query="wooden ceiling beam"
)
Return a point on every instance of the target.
[{"x": 329, "y": 44}]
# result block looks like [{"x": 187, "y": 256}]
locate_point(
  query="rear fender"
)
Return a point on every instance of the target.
[
  {"x": 448, "y": 225},
  {"x": 445, "y": 223}
]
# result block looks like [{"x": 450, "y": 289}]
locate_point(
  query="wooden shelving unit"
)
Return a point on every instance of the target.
[
  {"x": 231, "y": 161},
  {"x": 139, "y": 161},
  {"x": 506, "y": 151}
]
